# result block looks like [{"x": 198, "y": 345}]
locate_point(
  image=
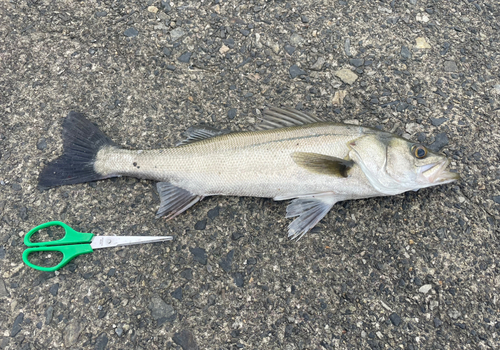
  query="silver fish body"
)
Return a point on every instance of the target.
[{"x": 295, "y": 156}]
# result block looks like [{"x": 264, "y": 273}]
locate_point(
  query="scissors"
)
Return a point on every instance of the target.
[{"x": 74, "y": 243}]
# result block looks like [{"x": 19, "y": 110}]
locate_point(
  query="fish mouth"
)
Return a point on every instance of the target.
[{"x": 436, "y": 173}]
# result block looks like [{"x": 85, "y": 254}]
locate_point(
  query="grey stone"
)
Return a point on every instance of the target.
[
  {"x": 177, "y": 294},
  {"x": 289, "y": 49},
  {"x": 450, "y": 66},
  {"x": 395, "y": 319},
  {"x": 170, "y": 67},
  {"x": 185, "y": 57},
  {"x": 413, "y": 2},
  {"x": 438, "y": 121},
  {"x": 437, "y": 322},
  {"x": 295, "y": 71},
  {"x": 167, "y": 52},
  {"x": 165, "y": 4},
  {"x": 16, "y": 326},
  {"x": 187, "y": 274},
  {"x": 357, "y": 62},
  {"x": 71, "y": 332},
  {"x": 42, "y": 144},
  {"x": 318, "y": 65},
  {"x": 496, "y": 199},
  {"x": 454, "y": 313},
  {"x": 101, "y": 342},
  {"x": 214, "y": 212},
  {"x": 101, "y": 14},
  {"x": 304, "y": 19},
  {"x": 238, "y": 279},
  {"x": 161, "y": 311},
  {"x": 346, "y": 75},
  {"x": 199, "y": 255},
  {"x": 405, "y": 53},
  {"x": 185, "y": 339},
  {"x": 231, "y": 114},
  {"x": 225, "y": 263},
  {"x": 200, "y": 225},
  {"x": 347, "y": 47},
  {"x": 3, "y": 289},
  {"x": 440, "y": 141},
  {"x": 296, "y": 40},
  {"x": 131, "y": 32},
  {"x": 119, "y": 331},
  {"x": 54, "y": 289},
  {"x": 177, "y": 33},
  {"x": 49, "y": 313}
]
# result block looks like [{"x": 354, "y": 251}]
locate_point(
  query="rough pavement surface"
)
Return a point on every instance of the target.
[{"x": 414, "y": 271}]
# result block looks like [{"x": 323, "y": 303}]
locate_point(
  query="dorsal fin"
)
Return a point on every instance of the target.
[
  {"x": 275, "y": 117},
  {"x": 200, "y": 132}
]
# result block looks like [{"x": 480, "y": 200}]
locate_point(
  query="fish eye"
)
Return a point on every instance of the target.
[{"x": 419, "y": 151}]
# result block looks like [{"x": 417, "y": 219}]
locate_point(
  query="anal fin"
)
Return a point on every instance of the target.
[
  {"x": 310, "y": 210},
  {"x": 174, "y": 200}
]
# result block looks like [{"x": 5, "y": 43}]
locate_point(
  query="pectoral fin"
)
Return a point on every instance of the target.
[
  {"x": 310, "y": 210},
  {"x": 323, "y": 164},
  {"x": 174, "y": 200}
]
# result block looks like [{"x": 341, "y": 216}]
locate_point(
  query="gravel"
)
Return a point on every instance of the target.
[{"x": 413, "y": 271}]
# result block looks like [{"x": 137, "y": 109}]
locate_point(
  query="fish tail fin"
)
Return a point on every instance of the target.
[{"x": 82, "y": 141}]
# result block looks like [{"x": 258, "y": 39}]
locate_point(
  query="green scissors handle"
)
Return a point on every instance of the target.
[{"x": 70, "y": 245}]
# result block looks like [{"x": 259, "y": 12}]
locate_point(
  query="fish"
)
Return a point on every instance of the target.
[{"x": 289, "y": 155}]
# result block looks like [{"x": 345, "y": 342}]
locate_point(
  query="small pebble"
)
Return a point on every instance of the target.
[
  {"x": 185, "y": 57},
  {"x": 425, "y": 288},
  {"x": 131, "y": 32},
  {"x": 231, "y": 114},
  {"x": 295, "y": 71}
]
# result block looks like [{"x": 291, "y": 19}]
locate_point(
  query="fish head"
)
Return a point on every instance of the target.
[{"x": 394, "y": 165}]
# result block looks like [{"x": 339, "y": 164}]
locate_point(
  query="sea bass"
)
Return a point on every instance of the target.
[{"x": 292, "y": 155}]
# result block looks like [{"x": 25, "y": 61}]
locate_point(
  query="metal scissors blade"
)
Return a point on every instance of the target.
[{"x": 118, "y": 241}]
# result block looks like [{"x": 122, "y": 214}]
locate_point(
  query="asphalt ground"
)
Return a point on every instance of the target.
[{"x": 414, "y": 271}]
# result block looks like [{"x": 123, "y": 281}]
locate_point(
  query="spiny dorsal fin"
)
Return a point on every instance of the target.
[
  {"x": 275, "y": 117},
  {"x": 323, "y": 164},
  {"x": 200, "y": 132}
]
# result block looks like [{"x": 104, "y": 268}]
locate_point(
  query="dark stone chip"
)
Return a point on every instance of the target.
[
  {"x": 251, "y": 261},
  {"x": 101, "y": 14},
  {"x": 405, "y": 53},
  {"x": 236, "y": 235},
  {"x": 187, "y": 274},
  {"x": 437, "y": 322},
  {"x": 238, "y": 279},
  {"x": 177, "y": 294},
  {"x": 496, "y": 199},
  {"x": 199, "y": 254},
  {"x": 167, "y": 51},
  {"x": 213, "y": 213},
  {"x": 49, "y": 313},
  {"x": 111, "y": 272},
  {"x": 438, "y": 121},
  {"x": 170, "y": 67},
  {"x": 357, "y": 62},
  {"x": 289, "y": 49},
  {"x": 16, "y": 326},
  {"x": 231, "y": 114},
  {"x": 304, "y": 19},
  {"x": 42, "y": 144},
  {"x": 439, "y": 143},
  {"x": 226, "y": 262},
  {"x": 101, "y": 342},
  {"x": 130, "y": 32},
  {"x": 185, "y": 339},
  {"x": 295, "y": 71},
  {"x": 200, "y": 225},
  {"x": 395, "y": 319},
  {"x": 165, "y": 4},
  {"x": 185, "y": 57},
  {"x": 54, "y": 289},
  {"x": 421, "y": 136},
  {"x": 245, "y": 32}
]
